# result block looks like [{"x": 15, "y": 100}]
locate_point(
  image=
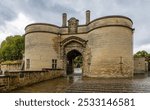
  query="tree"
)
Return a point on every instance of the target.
[
  {"x": 78, "y": 61},
  {"x": 142, "y": 53},
  {"x": 12, "y": 48}
]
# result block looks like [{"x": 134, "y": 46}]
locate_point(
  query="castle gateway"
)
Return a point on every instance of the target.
[{"x": 102, "y": 47}]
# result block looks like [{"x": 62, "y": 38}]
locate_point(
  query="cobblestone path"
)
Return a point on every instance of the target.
[
  {"x": 78, "y": 84},
  {"x": 138, "y": 84}
]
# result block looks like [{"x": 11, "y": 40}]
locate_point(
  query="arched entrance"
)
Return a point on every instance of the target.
[
  {"x": 74, "y": 62},
  {"x": 73, "y": 52}
]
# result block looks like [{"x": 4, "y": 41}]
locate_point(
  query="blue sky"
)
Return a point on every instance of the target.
[{"x": 16, "y": 14}]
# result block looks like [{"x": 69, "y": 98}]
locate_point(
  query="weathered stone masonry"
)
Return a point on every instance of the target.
[
  {"x": 106, "y": 45},
  {"x": 16, "y": 79}
]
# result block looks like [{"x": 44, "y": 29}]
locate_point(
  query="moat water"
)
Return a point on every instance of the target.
[{"x": 79, "y": 84}]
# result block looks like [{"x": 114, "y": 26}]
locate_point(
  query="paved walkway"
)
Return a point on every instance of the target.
[{"x": 77, "y": 84}]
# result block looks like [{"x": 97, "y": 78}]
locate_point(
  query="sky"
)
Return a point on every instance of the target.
[{"x": 15, "y": 15}]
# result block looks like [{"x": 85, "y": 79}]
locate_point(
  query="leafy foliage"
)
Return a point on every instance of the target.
[
  {"x": 78, "y": 62},
  {"x": 143, "y": 53},
  {"x": 12, "y": 48}
]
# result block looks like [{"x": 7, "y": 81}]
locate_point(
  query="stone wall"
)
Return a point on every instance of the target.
[
  {"x": 16, "y": 79},
  {"x": 42, "y": 27},
  {"x": 107, "y": 50},
  {"x": 4, "y": 83},
  {"x": 40, "y": 49},
  {"x": 140, "y": 65},
  {"x": 111, "y": 52},
  {"x": 5, "y": 67}
]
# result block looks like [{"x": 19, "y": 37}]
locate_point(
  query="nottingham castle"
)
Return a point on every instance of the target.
[{"x": 105, "y": 45}]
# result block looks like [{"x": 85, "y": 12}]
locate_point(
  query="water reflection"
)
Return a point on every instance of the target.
[
  {"x": 74, "y": 78},
  {"x": 77, "y": 83},
  {"x": 52, "y": 86},
  {"x": 138, "y": 84}
]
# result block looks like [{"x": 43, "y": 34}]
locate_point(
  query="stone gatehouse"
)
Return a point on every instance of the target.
[{"x": 105, "y": 45}]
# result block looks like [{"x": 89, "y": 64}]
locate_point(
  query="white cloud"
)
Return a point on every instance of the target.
[
  {"x": 15, "y": 27},
  {"x": 142, "y": 47},
  {"x": 3, "y": 36}
]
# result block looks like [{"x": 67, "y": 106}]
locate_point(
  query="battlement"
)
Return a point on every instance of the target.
[{"x": 114, "y": 20}]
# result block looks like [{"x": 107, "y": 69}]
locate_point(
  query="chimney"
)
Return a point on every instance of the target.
[
  {"x": 87, "y": 16},
  {"x": 64, "y": 20}
]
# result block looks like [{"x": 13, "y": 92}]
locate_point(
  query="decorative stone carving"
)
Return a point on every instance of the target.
[
  {"x": 72, "y": 25},
  {"x": 72, "y": 40},
  {"x": 73, "y": 43}
]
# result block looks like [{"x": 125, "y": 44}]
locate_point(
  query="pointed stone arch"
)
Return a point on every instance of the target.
[
  {"x": 72, "y": 43},
  {"x": 74, "y": 38}
]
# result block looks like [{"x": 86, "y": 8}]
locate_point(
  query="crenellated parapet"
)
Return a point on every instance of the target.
[{"x": 106, "y": 21}]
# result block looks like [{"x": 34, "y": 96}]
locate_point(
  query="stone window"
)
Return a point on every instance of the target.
[
  {"x": 28, "y": 64},
  {"x": 54, "y": 63}
]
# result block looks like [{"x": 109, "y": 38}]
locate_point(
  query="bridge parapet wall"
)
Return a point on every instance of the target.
[{"x": 15, "y": 79}]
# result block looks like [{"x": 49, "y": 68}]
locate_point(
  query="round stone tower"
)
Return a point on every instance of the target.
[
  {"x": 105, "y": 44},
  {"x": 111, "y": 42},
  {"x": 41, "y": 46}
]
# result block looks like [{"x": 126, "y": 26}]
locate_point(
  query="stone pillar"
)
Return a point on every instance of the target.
[
  {"x": 87, "y": 16},
  {"x": 64, "y": 20}
]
